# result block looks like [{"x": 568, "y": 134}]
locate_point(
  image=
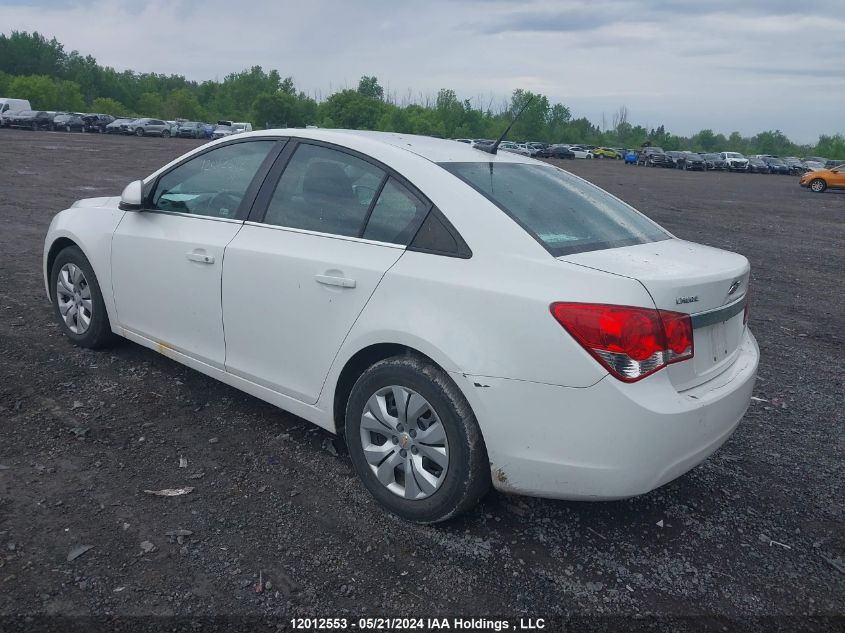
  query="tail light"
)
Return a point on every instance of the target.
[{"x": 630, "y": 342}]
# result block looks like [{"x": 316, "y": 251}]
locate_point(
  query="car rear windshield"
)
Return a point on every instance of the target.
[{"x": 562, "y": 212}]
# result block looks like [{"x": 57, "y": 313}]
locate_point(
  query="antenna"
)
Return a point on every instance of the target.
[{"x": 494, "y": 148}]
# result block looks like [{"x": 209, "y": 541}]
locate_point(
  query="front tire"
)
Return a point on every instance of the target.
[
  {"x": 415, "y": 442},
  {"x": 78, "y": 301},
  {"x": 139, "y": 132},
  {"x": 817, "y": 185},
  {"x": 165, "y": 134}
]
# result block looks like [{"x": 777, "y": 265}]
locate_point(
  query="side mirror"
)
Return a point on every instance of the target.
[{"x": 131, "y": 198}]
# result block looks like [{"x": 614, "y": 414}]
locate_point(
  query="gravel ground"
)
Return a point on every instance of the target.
[{"x": 754, "y": 537}]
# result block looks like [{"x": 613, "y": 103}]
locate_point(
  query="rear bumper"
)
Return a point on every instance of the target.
[{"x": 611, "y": 440}]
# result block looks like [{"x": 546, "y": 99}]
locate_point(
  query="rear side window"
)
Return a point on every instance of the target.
[
  {"x": 324, "y": 190},
  {"x": 396, "y": 216},
  {"x": 564, "y": 213}
]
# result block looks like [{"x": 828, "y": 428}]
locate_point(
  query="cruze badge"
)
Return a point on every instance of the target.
[
  {"x": 681, "y": 300},
  {"x": 734, "y": 287}
]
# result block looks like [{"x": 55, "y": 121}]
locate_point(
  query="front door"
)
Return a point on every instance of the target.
[{"x": 167, "y": 261}]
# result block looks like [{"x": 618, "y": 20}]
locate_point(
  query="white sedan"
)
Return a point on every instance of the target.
[
  {"x": 462, "y": 319},
  {"x": 580, "y": 152}
]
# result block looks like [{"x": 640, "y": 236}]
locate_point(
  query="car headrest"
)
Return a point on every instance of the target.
[{"x": 327, "y": 179}]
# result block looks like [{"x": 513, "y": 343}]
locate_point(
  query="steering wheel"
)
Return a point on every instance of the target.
[{"x": 223, "y": 200}]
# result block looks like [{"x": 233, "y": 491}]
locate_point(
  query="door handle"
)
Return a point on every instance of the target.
[
  {"x": 329, "y": 280},
  {"x": 202, "y": 258}
]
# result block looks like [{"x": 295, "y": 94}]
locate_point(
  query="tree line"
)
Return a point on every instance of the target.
[{"x": 35, "y": 68}]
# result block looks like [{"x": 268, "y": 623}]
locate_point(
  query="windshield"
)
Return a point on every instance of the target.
[
  {"x": 562, "y": 212},
  {"x": 733, "y": 155}
]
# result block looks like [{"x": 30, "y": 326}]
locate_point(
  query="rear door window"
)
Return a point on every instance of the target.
[{"x": 324, "y": 190}]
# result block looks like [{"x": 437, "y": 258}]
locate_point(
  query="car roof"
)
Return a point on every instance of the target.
[{"x": 434, "y": 149}]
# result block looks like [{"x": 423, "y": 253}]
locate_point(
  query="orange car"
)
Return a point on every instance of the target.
[{"x": 820, "y": 180}]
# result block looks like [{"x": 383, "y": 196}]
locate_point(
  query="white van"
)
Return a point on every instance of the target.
[{"x": 12, "y": 105}]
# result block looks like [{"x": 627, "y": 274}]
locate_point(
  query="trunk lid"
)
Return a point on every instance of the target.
[{"x": 708, "y": 283}]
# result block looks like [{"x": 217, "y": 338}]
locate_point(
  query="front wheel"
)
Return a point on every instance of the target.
[
  {"x": 818, "y": 185},
  {"x": 78, "y": 301},
  {"x": 415, "y": 442},
  {"x": 139, "y": 132},
  {"x": 165, "y": 134}
]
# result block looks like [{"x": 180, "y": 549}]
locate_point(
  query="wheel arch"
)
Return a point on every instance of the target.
[
  {"x": 358, "y": 362},
  {"x": 58, "y": 245}
]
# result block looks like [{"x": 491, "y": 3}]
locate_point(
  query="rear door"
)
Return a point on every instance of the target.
[
  {"x": 300, "y": 272},
  {"x": 167, "y": 260}
]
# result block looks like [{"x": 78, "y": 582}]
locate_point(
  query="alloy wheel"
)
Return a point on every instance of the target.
[
  {"x": 74, "y": 298},
  {"x": 404, "y": 442}
]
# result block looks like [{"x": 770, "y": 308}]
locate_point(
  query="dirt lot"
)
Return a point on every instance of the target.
[{"x": 756, "y": 535}]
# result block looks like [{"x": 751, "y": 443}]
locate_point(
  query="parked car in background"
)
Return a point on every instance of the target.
[
  {"x": 735, "y": 161},
  {"x": 776, "y": 165},
  {"x": 822, "y": 179},
  {"x": 515, "y": 148},
  {"x": 654, "y": 157},
  {"x": 813, "y": 165},
  {"x": 238, "y": 128},
  {"x": 149, "y": 127},
  {"x": 580, "y": 151},
  {"x": 632, "y": 364},
  {"x": 757, "y": 166},
  {"x": 606, "y": 152},
  {"x": 9, "y": 106},
  {"x": 96, "y": 122},
  {"x": 834, "y": 163},
  {"x": 222, "y": 129},
  {"x": 68, "y": 122},
  {"x": 690, "y": 161},
  {"x": 192, "y": 129},
  {"x": 677, "y": 158},
  {"x": 556, "y": 151},
  {"x": 714, "y": 161},
  {"x": 630, "y": 157},
  {"x": 127, "y": 126},
  {"x": 795, "y": 164},
  {"x": 31, "y": 119},
  {"x": 118, "y": 126}
]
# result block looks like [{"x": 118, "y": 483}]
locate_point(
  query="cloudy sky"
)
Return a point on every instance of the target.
[{"x": 746, "y": 65}]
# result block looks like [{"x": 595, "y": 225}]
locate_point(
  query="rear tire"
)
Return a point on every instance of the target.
[
  {"x": 77, "y": 300},
  {"x": 437, "y": 489}
]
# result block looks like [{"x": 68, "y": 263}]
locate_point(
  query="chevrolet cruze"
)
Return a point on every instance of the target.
[{"x": 464, "y": 319}]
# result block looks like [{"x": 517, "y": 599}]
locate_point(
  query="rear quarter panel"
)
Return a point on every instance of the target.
[{"x": 488, "y": 316}]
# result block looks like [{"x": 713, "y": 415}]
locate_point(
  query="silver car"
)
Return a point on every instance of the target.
[{"x": 149, "y": 127}]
